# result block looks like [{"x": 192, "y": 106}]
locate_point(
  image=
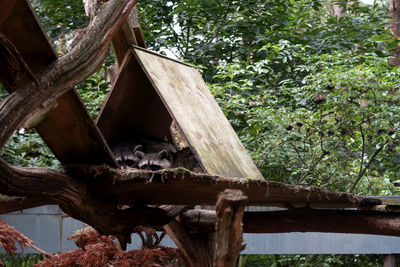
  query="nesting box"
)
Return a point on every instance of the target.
[{"x": 151, "y": 91}]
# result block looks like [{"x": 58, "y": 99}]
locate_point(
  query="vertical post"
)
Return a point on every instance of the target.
[
  {"x": 390, "y": 260},
  {"x": 229, "y": 227},
  {"x": 394, "y": 10}
]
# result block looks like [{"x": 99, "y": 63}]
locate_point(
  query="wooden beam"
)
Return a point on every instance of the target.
[
  {"x": 13, "y": 68},
  {"x": 23, "y": 29},
  {"x": 6, "y": 7},
  {"x": 302, "y": 220},
  {"x": 181, "y": 187},
  {"x": 229, "y": 238}
]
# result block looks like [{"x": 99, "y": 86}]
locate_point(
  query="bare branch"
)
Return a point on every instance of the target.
[
  {"x": 77, "y": 200},
  {"x": 181, "y": 187},
  {"x": 371, "y": 159},
  {"x": 10, "y": 204}
]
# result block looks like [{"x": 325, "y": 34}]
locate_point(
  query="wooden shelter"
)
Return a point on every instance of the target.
[{"x": 149, "y": 92}]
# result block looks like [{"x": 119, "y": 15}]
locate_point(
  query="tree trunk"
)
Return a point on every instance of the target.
[
  {"x": 390, "y": 261},
  {"x": 197, "y": 248},
  {"x": 303, "y": 220},
  {"x": 394, "y": 11}
]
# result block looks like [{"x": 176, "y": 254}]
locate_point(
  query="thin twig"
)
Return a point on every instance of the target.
[
  {"x": 367, "y": 166},
  {"x": 363, "y": 150}
]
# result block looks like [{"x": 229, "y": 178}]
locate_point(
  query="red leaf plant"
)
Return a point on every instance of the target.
[
  {"x": 99, "y": 250},
  {"x": 9, "y": 236}
]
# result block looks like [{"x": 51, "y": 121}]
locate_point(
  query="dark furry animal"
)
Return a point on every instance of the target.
[
  {"x": 151, "y": 153},
  {"x": 185, "y": 158},
  {"x": 125, "y": 155},
  {"x": 154, "y": 161}
]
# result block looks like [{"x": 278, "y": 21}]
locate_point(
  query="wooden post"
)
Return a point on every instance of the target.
[
  {"x": 389, "y": 261},
  {"x": 229, "y": 237}
]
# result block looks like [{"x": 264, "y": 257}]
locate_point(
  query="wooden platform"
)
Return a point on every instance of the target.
[
  {"x": 180, "y": 187},
  {"x": 67, "y": 129}
]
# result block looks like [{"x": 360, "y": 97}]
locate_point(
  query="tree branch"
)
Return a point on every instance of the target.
[
  {"x": 77, "y": 200},
  {"x": 361, "y": 174},
  {"x": 10, "y": 204}
]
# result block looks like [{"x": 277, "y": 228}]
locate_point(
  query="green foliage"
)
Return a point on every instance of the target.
[
  {"x": 94, "y": 91},
  {"x": 309, "y": 94},
  {"x": 60, "y": 17},
  {"x": 207, "y": 32},
  {"x": 20, "y": 260},
  {"x": 309, "y": 260},
  {"x": 27, "y": 149},
  {"x": 326, "y": 129}
]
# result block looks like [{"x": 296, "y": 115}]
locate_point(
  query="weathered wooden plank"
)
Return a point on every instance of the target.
[
  {"x": 389, "y": 200},
  {"x": 24, "y": 31},
  {"x": 72, "y": 135},
  {"x": 6, "y": 7},
  {"x": 133, "y": 107},
  {"x": 67, "y": 129},
  {"x": 198, "y": 116},
  {"x": 228, "y": 227},
  {"x": 180, "y": 187}
]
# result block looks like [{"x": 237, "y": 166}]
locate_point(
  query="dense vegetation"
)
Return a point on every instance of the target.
[{"x": 312, "y": 97}]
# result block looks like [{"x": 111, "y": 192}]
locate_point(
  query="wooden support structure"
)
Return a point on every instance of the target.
[
  {"x": 208, "y": 249},
  {"x": 181, "y": 187},
  {"x": 197, "y": 248},
  {"x": 66, "y": 126}
]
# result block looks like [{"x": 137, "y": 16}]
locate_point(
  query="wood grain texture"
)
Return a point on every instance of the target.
[
  {"x": 198, "y": 116},
  {"x": 228, "y": 227},
  {"x": 6, "y": 7},
  {"x": 133, "y": 107},
  {"x": 197, "y": 248},
  {"x": 68, "y": 129},
  {"x": 180, "y": 187},
  {"x": 22, "y": 28}
]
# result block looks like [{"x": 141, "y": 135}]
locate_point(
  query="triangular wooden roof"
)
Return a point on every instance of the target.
[{"x": 151, "y": 90}]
